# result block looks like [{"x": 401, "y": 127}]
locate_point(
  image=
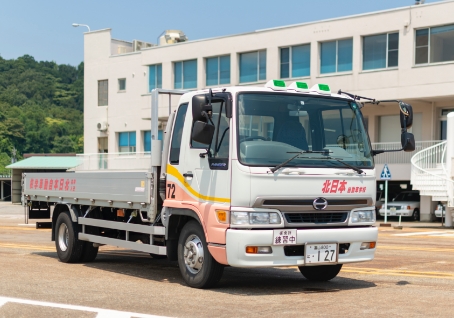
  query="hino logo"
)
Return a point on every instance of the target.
[
  {"x": 320, "y": 204},
  {"x": 218, "y": 164}
]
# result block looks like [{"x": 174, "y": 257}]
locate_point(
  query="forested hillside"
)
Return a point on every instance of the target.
[{"x": 41, "y": 108}]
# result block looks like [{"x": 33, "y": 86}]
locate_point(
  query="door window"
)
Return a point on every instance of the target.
[{"x": 175, "y": 146}]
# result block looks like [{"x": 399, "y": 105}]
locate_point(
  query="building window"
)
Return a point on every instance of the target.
[
  {"x": 433, "y": 45},
  {"x": 389, "y": 128},
  {"x": 444, "y": 123},
  {"x": 103, "y": 92},
  {"x": 218, "y": 70},
  {"x": 336, "y": 56},
  {"x": 147, "y": 140},
  {"x": 127, "y": 141},
  {"x": 296, "y": 61},
  {"x": 185, "y": 74},
  {"x": 154, "y": 77},
  {"x": 122, "y": 84},
  {"x": 380, "y": 51},
  {"x": 253, "y": 66}
]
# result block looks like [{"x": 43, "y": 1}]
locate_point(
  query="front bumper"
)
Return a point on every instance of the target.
[
  {"x": 438, "y": 213},
  {"x": 403, "y": 212},
  {"x": 237, "y": 240}
]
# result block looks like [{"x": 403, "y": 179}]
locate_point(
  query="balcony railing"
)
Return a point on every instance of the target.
[
  {"x": 114, "y": 161},
  {"x": 428, "y": 173},
  {"x": 399, "y": 156}
]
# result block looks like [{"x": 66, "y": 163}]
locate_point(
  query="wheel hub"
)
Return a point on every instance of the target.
[
  {"x": 193, "y": 254},
  {"x": 63, "y": 237}
]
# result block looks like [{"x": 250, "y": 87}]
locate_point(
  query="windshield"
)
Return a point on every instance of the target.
[
  {"x": 274, "y": 127},
  {"x": 407, "y": 196}
]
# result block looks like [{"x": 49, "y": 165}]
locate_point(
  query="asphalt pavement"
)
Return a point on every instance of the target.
[{"x": 411, "y": 275}]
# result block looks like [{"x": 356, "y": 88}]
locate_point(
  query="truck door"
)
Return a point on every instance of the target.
[
  {"x": 175, "y": 186},
  {"x": 207, "y": 173}
]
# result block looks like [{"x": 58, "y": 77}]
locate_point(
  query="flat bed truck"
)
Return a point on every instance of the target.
[{"x": 245, "y": 176}]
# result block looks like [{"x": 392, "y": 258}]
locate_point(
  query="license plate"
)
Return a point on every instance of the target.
[
  {"x": 392, "y": 209},
  {"x": 321, "y": 253},
  {"x": 284, "y": 237}
]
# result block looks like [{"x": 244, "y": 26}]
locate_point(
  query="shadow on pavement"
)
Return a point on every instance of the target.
[{"x": 235, "y": 281}]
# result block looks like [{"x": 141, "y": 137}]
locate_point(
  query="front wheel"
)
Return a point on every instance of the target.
[
  {"x": 198, "y": 268},
  {"x": 415, "y": 215},
  {"x": 321, "y": 273}
]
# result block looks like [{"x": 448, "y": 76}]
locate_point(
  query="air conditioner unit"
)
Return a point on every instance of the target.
[
  {"x": 101, "y": 126},
  {"x": 139, "y": 45}
]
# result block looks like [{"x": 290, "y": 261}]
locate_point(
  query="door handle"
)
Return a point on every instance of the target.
[{"x": 188, "y": 174}]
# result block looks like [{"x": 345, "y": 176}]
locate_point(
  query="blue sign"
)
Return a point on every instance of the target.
[{"x": 385, "y": 173}]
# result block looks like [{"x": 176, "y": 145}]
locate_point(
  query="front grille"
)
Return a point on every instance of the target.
[
  {"x": 294, "y": 250},
  {"x": 303, "y": 202},
  {"x": 326, "y": 217},
  {"x": 398, "y": 207}
]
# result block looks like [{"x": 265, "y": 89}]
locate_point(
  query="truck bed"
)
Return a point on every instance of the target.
[{"x": 121, "y": 189}]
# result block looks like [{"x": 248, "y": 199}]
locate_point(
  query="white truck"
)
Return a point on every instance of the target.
[{"x": 247, "y": 177}]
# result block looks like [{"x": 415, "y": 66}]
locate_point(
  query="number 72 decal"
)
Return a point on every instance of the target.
[{"x": 171, "y": 191}]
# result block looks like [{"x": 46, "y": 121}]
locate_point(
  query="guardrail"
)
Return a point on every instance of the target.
[
  {"x": 114, "y": 161},
  {"x": 399, "y": 156}
]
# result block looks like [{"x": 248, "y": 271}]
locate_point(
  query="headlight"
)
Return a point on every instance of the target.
[
  {"x": 241, "y": 218},
  {"x": 362, "y": 216}
]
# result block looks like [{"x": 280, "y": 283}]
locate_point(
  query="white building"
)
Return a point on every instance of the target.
[{"x": 405, "y": 53}]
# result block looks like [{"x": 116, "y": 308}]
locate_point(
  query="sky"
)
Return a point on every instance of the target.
[{"x": 43, "y": 28}]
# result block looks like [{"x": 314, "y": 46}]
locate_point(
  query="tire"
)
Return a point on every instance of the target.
[
  {"x": 198, "y": 268},
  {"x": 415, "y": 216},
  {"x": 321, "y": 273},
  {"x": 69, "y": 248},
  {"x": 158, "y": 256},
  {"x": 89, "y": 252}
]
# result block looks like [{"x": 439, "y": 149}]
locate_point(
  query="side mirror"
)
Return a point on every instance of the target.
[
  {"x": 406, "y": 115},
  {"x": 202, "y": 132},
  {"x": 408, "y": 141},
  {"x": 199, "y": 105}
]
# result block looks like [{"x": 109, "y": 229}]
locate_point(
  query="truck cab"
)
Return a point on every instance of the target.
[{"x": 273, "y": 175}]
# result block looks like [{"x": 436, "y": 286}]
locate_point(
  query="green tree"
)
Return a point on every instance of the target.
[{"x": 41, "y": 107}]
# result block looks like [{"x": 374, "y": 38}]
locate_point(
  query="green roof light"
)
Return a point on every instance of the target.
[
  {"x": 279, "y": 83},
  {"x": 324, "y": 87},
  {"x": 302, "y": 85}
]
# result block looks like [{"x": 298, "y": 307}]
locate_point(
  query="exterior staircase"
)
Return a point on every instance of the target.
[{"x": 429, "y": 174}]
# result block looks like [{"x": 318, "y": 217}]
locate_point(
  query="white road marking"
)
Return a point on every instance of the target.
[
  {"x": 102, "y": 313},
  {"x": 438, "y": 233}
]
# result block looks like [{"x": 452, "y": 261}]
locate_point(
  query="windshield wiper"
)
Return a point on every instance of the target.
[
  {"x": 325, "y": 152},
  {"x": 358, "y": 170}
]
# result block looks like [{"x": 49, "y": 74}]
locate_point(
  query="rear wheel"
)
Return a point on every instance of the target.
[
  {"x": 320, "y": 273},
  {"x": 198, "y": 268},
  {"x": 415, "y": 216},
  {"x": 89, "y": 252},
  {"x": 69, "y": 248}
]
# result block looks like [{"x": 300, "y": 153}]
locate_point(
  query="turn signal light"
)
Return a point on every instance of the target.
[
  {"x": 222, "y": 216},
  {"x": 252, "y": 249},
  {"x": 367, "y": 245},
  {"x": 121, "y": 213},
  {"x": 259, "y": 250}
]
